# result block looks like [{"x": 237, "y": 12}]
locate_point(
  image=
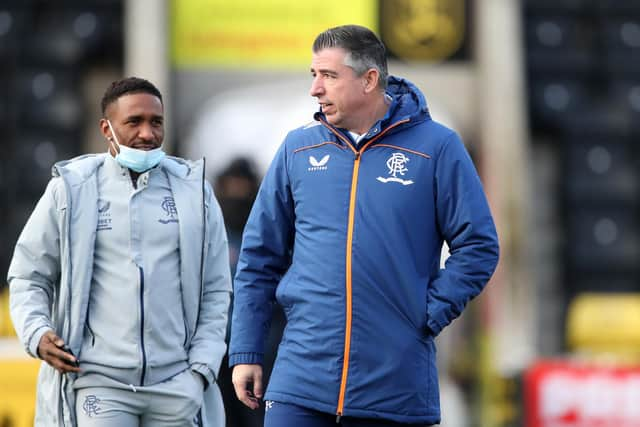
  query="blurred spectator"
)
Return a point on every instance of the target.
[{"x": 236, "y": 188}]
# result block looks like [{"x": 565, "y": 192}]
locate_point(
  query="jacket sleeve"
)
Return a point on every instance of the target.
[
  {"x": 208, "y": 344},
  {"x": 35, "y": 268},
  {"x": 465, "y": 221},
  {"x": 264, "y": 258}
]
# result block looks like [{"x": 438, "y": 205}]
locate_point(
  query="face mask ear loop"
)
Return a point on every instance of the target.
[
  {"x": 113, "y": 141},
  {"x": 114, "y": 146}
]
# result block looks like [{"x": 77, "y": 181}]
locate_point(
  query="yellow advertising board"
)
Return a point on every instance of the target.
[
  {"x": 257, "y": 33},
  {"x": 18, "y": 391},
  {"x": 18, "y": 373}
]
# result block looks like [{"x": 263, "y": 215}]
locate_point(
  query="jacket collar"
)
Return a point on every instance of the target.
[{"x": 80, "y": 168}]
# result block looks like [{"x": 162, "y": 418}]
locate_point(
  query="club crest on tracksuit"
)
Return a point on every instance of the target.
[
  {"x": 168, "y": 205},
  {"x": 91, "y": 405},
  {"x": 397, "y": 166}
]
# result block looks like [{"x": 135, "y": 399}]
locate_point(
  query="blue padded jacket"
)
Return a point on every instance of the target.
[{"x": 348, "y": 240}]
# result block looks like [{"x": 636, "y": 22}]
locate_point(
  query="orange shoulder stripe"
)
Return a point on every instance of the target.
[
  {"x": 418, "y": 153},
  {"x": 309, "y": 147}
]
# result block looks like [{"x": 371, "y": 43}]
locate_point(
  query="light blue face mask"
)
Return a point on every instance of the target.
[{"x": 134, "y": 159}]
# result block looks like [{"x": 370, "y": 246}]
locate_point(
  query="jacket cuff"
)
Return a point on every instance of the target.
[
  {"x": 245, "y": 359},
  {"x": 204, "y": 370},
  {"x": 34, "y": 342}
]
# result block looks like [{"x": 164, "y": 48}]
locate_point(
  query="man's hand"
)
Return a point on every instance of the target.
[
  {"x": 50, "y": 350},
  {"x": 247, "y": 381}
]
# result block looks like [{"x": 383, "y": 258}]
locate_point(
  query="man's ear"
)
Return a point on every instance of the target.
[
  {"x": 371, "y": 80},
  {"x": 104, "y": 128}
]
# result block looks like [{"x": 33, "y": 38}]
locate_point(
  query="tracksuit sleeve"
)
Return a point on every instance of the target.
[
  {"x": 34, "y": 270},
  {"x": 208, "y": 344},
  {"x": 465, "y": 221},
  {"x": 264, "y": 258}
]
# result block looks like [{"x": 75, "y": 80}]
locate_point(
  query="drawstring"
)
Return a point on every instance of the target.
[{"x": 135, "y": 390}]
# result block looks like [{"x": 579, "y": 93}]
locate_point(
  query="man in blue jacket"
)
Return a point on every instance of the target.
[
  {"x": 120, "y": 280},
  {"x": 346, "y": 235}
]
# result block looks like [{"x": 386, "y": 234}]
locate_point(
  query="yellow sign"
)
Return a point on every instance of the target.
[
  {"x": 422, "y": 29},
  {"x": 6, "y": 327},
  {"x": 605, "y": 324},
  {"x": 18, "y": 391},
  {"x": 257, "y": 33}
]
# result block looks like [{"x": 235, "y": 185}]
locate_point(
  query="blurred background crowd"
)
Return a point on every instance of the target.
[{"x": 545, "y": 94}]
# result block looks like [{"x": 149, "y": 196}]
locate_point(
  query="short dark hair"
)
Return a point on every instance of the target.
[
  {"x": 127, "y": 86},
  {"x": 364, "y": 49}
]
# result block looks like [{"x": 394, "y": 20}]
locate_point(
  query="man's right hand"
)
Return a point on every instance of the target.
[
  {"x": 50, "y": 350},
  {"x": 247, "y": 381}
]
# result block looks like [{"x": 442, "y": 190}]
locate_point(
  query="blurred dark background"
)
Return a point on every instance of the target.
[{"x": 50, "y": 55}]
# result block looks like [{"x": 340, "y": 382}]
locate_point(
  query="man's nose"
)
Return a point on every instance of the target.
[
  {"x": 146, "y": 132},
  {"x": 316, "y": 87}
]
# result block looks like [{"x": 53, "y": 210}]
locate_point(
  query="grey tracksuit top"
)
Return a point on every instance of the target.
[
  {"x": 135, "y": 318},
  {"x": 52, "y": 280}
]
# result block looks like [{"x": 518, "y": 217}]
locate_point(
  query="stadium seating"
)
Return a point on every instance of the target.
[
  {"x": 582, "y": 62},
  {"x": 47, "y": 50}
]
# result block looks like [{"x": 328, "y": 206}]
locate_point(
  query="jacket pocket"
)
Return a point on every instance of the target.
[
  {"x": 90, "y": 333},
  {"x": 282, "y": 296},
  {"x": 186, "y": 332}
]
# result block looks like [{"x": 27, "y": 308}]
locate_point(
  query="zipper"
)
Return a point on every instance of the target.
[
  {"x": 348, "y": 303},
  {"x": 66, "y": 335},
  {"x": 349, "y": 257},
  {"x": 144, "y": 354},
  {"x": 204, "y": 234}
]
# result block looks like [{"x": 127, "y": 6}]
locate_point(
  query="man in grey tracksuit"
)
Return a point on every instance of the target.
[{"x": 120, "y": 280}]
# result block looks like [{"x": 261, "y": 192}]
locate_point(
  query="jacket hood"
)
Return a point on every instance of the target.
[
  {"x": 408, "y": 101},
  {"x": 80, "y": 168},
  {"x": 181, "y": 168}
]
